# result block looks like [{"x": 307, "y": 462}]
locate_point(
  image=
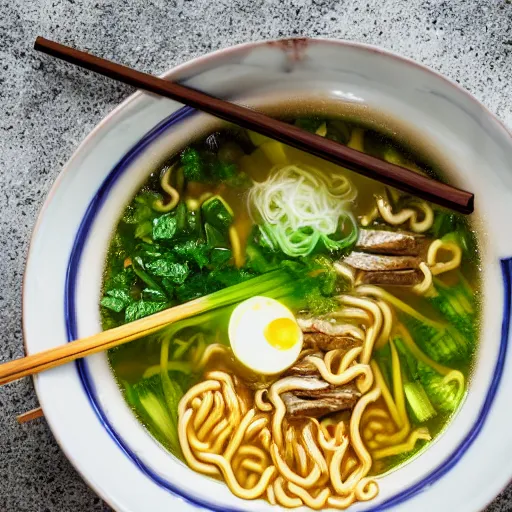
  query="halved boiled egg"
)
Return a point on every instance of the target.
[{"x": 264, "y": 335}]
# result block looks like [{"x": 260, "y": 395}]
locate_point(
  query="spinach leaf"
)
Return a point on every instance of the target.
[
  {"x": 196, "y": 286},
  {"x": 176, "y": 272},
  {"x": 214, "y": 238},
  {"x": 193, "y": 165},
  {"x": 195, "y": 250},
  {"x": 230, "y": 276},
  {"x": 152, "y": 295},
  {"x": 142, "y": 308},
  {"x": 219, "y": 257},
  {"x": 144, "y": 229},
  {"x": 164, "y": 227}
]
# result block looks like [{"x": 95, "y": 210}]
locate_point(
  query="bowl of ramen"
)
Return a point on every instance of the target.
[{"x": 361, "y": 361}]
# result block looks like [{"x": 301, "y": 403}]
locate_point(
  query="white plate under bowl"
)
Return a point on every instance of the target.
[{"x": 465, "y": 467}]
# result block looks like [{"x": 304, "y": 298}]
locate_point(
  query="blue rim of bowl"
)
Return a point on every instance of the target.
[{"x": 85, "y": 378}]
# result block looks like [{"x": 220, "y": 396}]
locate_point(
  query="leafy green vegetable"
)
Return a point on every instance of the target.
[
  {"x": 457, "y": 304},
  {"x": 194, "y": 224},
  {"x": 443, "y": 395},
  {"x": 196, "y": 286},
  {"x": 113, "y": 303},
  {"x": 207, "y": 167},
  {"x": 138, "y": 268},
  {"x": 151, "y": 295},
  {"x": 418, "y": 401},
  {"x": 144, "y": 229},
  {"x": 223, "y": 171},
  {"x": 181, "y": 218},
  {"x": 176, "y": 272},
  {"x": 193, "y": 165},
  {"x": 142, "y": 308},
  {"x": 158, "y": 411},
  {"x": 217, "y": 213},
  {"x": 416, "y": 396},
  {"x": 141, "y": 208},
  {"x": 194, "y": 250},
  {"x": 164, "y": 227},
  {"x": 441, "y": 342},
  {"x": 214, "y": 238},
  {"x": 219, "y": 257},
  {"x": 230, "y": 276}
]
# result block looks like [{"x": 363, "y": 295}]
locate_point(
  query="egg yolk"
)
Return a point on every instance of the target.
[{"x": 282, "y": 333}]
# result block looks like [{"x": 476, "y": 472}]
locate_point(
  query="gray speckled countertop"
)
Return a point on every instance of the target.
[{"x": 47, "y": 108}]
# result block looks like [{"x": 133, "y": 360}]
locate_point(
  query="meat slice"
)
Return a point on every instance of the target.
[
  {"x": 319, "y": 402},
  {"x": 303, "y": 368},
  {"x": 380, "y": 262},
  {"x": 408, "y": 277},
  {"x": 326, "y": 342},
  {"x": 321, "y": 334},
  {"x": 391, "y": 242}
]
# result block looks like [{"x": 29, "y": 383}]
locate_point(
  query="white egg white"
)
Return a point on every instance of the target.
[{"x": 247, "y": 336}]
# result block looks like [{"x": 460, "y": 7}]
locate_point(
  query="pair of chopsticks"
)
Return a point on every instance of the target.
[{"x": 371, "y": 167}]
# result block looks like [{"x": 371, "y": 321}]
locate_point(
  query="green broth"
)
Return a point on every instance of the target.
[{"x": 147, "y": 270}]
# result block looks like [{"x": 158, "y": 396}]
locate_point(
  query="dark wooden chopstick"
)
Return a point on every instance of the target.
[{"x": 362, "y": 163}]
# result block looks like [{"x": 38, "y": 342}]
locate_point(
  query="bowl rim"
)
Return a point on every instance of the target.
[{"x": 198, "y": 62}]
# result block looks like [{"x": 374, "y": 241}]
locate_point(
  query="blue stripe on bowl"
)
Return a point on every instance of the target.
[{"x": 83, "y": 371}]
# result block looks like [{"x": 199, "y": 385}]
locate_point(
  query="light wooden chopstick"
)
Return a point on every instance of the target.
[{"x": 35, "y": 363}]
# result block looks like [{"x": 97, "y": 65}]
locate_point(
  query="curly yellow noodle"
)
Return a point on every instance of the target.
[
  {"x": 438, "y": 267},
  {"x": 204, "y": 409},
  {"x": 260, "y": 403},
  {"x": 200, "y": 467},
  {"x": 197, "y": 390},
  {"x": 423, "y": 287},
  {"x": 341, "y": 503},
  {"x": 215, "y": 416},
  {"x": 174, "y": 196},
  {"x": 314, "y": 452},
  {"x": 358, "y": 370},
  {"x": 366, "y": 489},
  {"x": 265, "y": 438},
  {"x": 309, "y": 481},
  {"x": 282, "y": 498},
  {"x": 271, "y": 497},
  {"x": 236, "y": 247},
  {"x": 367, "y": 219},
  {"x": 386, "y": 394},
  {"x": 195, "y": 443},
  {"x": 335, "y": 467},
  {"x": 231, "y": 481},
  {"x": 301, "y": 459},
  {"x": 209, "y": 352},
  {"x": 387, "y": 324},
  {"x": 222, "y": 437},
  {"x": 251, "y": 480},
  {"x": 407, "y": 214},
  {"x": 373, "y": 330},
  {"x": 248, "y": 450},
  {"x": 282, "y": 386},
  {"x": 236, "y": 440},
  {"x": 420, "y": 433},
  {"x": 256, "y": 426},
  {"x": 253, "y": 466},
  {"x": 314, "y": 503}
]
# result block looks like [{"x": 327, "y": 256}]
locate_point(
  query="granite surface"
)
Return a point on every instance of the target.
[{"x": 47, "y": 108}]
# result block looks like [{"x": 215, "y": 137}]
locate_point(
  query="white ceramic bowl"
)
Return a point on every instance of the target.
[{"x": 465, "y": 467}]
